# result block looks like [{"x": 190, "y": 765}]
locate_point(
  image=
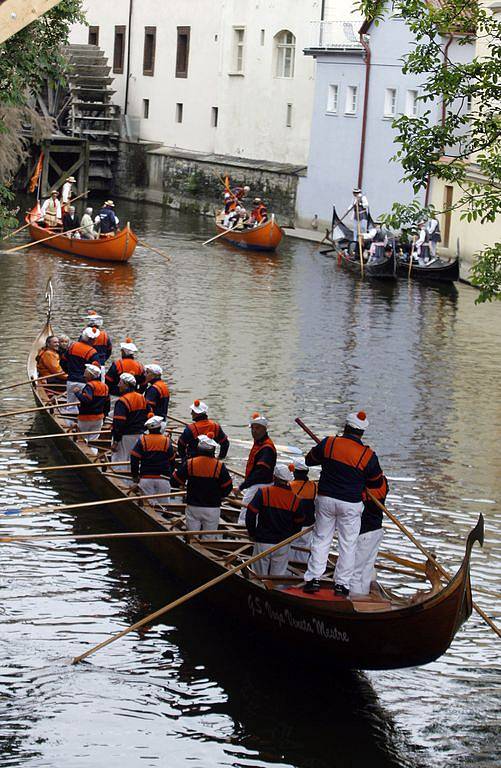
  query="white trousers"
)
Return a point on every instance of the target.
[
  {"x": 72, "y": 387},
  {"x": 365, "y": 557},
  {"x": 305, "y": 542},
  {"x": 202, "y": 518},
  {"x": 93, "y": 426},
  {"x": 155, "y": 485},
  {"x": 274, "y": 564},
  {"x": 249, "y": 494},
  {"x": 125, "y": 446},
  {"x": 333, "y": 515}
]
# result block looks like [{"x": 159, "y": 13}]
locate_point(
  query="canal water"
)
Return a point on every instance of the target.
[{"x": 288, "y": 334}]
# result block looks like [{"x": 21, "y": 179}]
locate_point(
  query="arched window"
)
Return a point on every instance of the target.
[{"x": 285, "y": 44}]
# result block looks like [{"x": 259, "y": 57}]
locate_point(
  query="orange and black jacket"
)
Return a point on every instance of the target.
[
  {"x": 275, "y": 513},
  {"x": 76, "y": 357},
  {"x": 129, "y": 416},
  {"x": 124, "y": 365},
  {"x": 103, "y": 346},
  {"x": 372, "y": 515},
  {"x": 306, "y": 490},
  {"x": 152, "y": 456},
  {"x": 260, "y": 464},
  {"x": 348, "y": 466},
  {"x": 94, "y": 401},
  {"x": 207, "y": 481},
  {"x": 157, "y": 396},
  {"x": 187, "y": 443}
]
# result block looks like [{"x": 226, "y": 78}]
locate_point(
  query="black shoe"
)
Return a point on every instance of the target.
[
  {"x": 311, "y": 586},
  {"x": 341, "y": 591}
]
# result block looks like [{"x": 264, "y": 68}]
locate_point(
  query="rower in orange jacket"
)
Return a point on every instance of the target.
[
  {"x": 306, "y": 490},
  {"x": 129, "y": 417},
  {"x": 260, "y": 464},
  {"x": 126, "y": 364},
  {"x": 201, "y": 425},
  {"x": 156, "y": 392}
]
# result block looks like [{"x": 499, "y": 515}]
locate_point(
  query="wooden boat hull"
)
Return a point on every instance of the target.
[
  {"x": 385, "y": 268},
  {"x": 329, "y": 627},
  {"x": 119, "y": 247},
  {"x": 445, "y": 272},
  {"x": 265, "y": 237}
]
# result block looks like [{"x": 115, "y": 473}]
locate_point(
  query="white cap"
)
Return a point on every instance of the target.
[
  {"x": 300, "y": 464},
  {"x": 92, "y": 317},
  {"x": 256, "y": 418},
  {"x": 282, "y": 473},
  {"x": 227, "y": 194},
  {"x": 206, "y": 443},
  {"x": 128, "y": 345},
  {"x": 90, "y": 333},
  {"x": 357, "y": 420},
  {"x": 198, "y": 406},
  {"x": 128, "y": 378},
  {"x": 153, "y": 368},
  {"x": 94, "y": 369},
  {"x": 154, "y": 422}
]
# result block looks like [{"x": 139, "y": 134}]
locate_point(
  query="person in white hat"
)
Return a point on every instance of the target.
[
  {"x": 360, "y": 213},
  {"x": 369, "y": 540},
  {"x": 126, "y": 364},
  {"x": 260, "y": 463},
  {"x": 102, "y": 343},
  {"x": 67, "y": 190},
  {"x": 306, "y": 490},
  {"x": 129, "y": 417},
  {"x": 152, "y": 461},
  {"x": 106, "y": 221},
  {"x": 201, "y": 425},
  {"x": 348, "y": 467},
  {"x": 76, "y": 356},
  {"x": 157, "y": 392},
  {"x": 207, "y": 482},
  {"x": 274, "y": 514},
  {"x": 94, "y": 404},
  {"x": 51, "y": 214}
]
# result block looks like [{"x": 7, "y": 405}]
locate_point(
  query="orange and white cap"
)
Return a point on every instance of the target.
[
  {"x": 154, "y": 422},
  {"x": 198, "y": 406},
  {"x": 299, "y": 464},
  {"x": 257, "y": 418},
  {"x": 93, "y": 318},
  {"x": 357, "y": 420},
  {"x": 128, "y": 345},
  {"x": 153, "y": 368},
  {"x": 128, "y": 378},
  {"x": 206, "y": 442},
  {"x": 90, "y": 333},
  {"x": 282, "y": 472},
  {"x": 95, "y": 370}
]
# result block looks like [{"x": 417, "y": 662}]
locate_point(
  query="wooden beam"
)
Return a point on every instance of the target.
[{"x": 17, "y": 14}]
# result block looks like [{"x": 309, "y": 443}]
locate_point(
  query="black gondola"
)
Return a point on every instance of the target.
[
  {"x": 436, "y": 269},
  {"x": 341, "y": 237}
]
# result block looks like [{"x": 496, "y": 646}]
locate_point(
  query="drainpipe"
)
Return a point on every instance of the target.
[
  {"x": 127, "y": 75},
  {"x": 367, "y": 50},
  {"x": 444, "y": 115}
]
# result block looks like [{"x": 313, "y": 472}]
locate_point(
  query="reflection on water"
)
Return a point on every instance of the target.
[{"x": 291, "y": 335}]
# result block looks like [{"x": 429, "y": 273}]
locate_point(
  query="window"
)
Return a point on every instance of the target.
[
  {"x": 332, "y": 98},
  {"x": 285, "y": 46},
  {"x": 183, "y": 51},
  {"x": 288, "y": 119},
  {"x": 93, "y": 35},
  {"x": 179, "y": 113},
  {"x": 238, "y": 49},
  {"x": 351, "y": 100},
  {"x": 150, "y": 38},
  {"x": 411, "y": 103},
  {"x": 119, "y": 50},
  {"x": 214, "y": 116},
  {"x": 262, "y": 36},
  {"x": 146, "y": 108},
  {"x": 390, "y": 102}
]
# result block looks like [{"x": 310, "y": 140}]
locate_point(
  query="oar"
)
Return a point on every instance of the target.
[
  {"x": 189, "y": 595},
  {"x": 360, "y": 247},
  {"x": 30, "y": 381},
  {"x": 82, "y": 194},
  {"x": 178, "y": 421},
  {"x": 220, "y": 234},
  {"x": 127, "y": 535},
  {"x": 39, "y": 408},
  {"x": 56, "y": 467},
  {"x": 64, "y": 507},
  {"x": 156, "y": 250},
  {"x": 19, "y": 229},
  {"x": 30, "y": 438},
  {"x": 412, "y": 538},
  {"x": 282, "y": 448},
  {"x": 235, "y": 471},
  {"x": 43, "y": 240}
]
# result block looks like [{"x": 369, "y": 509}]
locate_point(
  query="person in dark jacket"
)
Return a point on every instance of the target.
[
  {"x": 260, "y": 464},
  {"x": 73, "y": 361},
  {"x": 156, "y": 392},
  {"x": 306, "y": 490},
  {"x": 152, "y": 460},
  {"x": 207, "y": 483},
  {"x": 274, "y": 514},
  {"x": 94, "y": 404},
  {"x": 125, "y": 364},
  {"x": 369, "y": 539},
  {"x": 106, "y": 221},
  {"x": 71, "y": 220},
  {"x": 102, "y": 344},
  {"x": 201, "y": 425},
  {"x": 129, "y": 417}
]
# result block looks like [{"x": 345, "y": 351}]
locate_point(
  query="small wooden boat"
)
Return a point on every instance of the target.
[
  {"x": 383, "y": 630},
  {"x": 437, "y": 269},
  {"x": 263, "y": 237},
  {"x": 118, "y": 247},
  {"x": 346, "y": 250}
]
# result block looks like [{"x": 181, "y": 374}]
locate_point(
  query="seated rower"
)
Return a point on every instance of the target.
[
  {"x": 207, "y": 483},
  {"x": 71, "y": 221},
  {"x": 152, "y": 460},
  {"x": 201, "y": 425},
  {"x": 369, "y": 539},
  {"x": 260, "y": 464},
  {"x": 126, "y": 364},
  {"x": 379, "y": 240},
  {"x": 306, "y": 490},
  {"x": 259, "y": 213},
  {"x": 157, "y": 392},
  {"x": 274, "y": 514},
  {"x": 51, "y": 211},
  {"x": 94, "y": 404},
  {"x": 129, "y": 417},
  {"x": 106, "y": 221},
  {"x": 49, "y": 363},
  {"x": 87, "y": 231}
]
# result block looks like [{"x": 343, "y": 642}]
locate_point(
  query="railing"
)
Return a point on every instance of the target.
[{"x": 334, "y": 34}]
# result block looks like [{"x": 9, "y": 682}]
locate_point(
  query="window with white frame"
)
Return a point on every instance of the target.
[
  {"x": 332, "y": 98},
  {"x": 390, "y": 102},
  {"x": 411, "y": 103},
  {"x": 238, "y": 49},
  {"x": 351, "y": 104},
  {"x": 285, "y": 43}
]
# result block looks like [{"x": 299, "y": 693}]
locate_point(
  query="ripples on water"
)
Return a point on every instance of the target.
[{"x": 288, "y": 334}]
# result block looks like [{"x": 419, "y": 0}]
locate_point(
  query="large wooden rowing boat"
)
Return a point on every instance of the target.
[
  {"x": 263, "y": 237},
  {"x": 381, "y": 631},
  {"x": 118, "y": 247}
]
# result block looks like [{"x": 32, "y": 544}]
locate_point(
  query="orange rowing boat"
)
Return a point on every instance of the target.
[{"x": 264, "y": 237}]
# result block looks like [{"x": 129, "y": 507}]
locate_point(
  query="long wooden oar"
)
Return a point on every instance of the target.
[
  {"x": 86, "y": 465},
  {"x": 82, "y": 194},
  {"x": 43, "y": 240},
  {"x": 359, "y": 234},
  {"x": 13, "y": 511},
  {"x": 177, "y": 420},
  {"x": 235, "y": 471},
  {"x": 40, "y": 408},
  {"x": 156, "y": 250},
  {"x": 220, "y": 234},
  {"x": 127, "y": 535},
  {"x": 412, "y": 538},
  {"x": 29, "y": 381},
  {"x": 19, "y": 229},
  {"x": 30, "y": 438},
  {"x": 189, "y": 595}
]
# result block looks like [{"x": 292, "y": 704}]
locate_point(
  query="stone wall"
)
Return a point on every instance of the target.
[{"x": 194, "y": 182}]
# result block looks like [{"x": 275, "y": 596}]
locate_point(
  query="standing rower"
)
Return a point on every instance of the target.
[
  {"x": 126, "y": 364},
  {"x": 260, "y": 464},
  {"x": 152, "y": 460},
  {"x": 201, "y": 425},
  {"x": 94, "y": 401},
  {"x": 102, "y": 344},
  {"x": 157, "y": 392},
  {"x": 306, "y": 490},
  {"x": 360, "y": 215},
  {"x": 369, "y": 539},
  {"x": 348, "y": 467},
  {"x": 129, "y": 417},
  {"x": 67, "y": 190},
  {"x": 51, "y": 210},
  {"x": 76, "y": 357}
]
